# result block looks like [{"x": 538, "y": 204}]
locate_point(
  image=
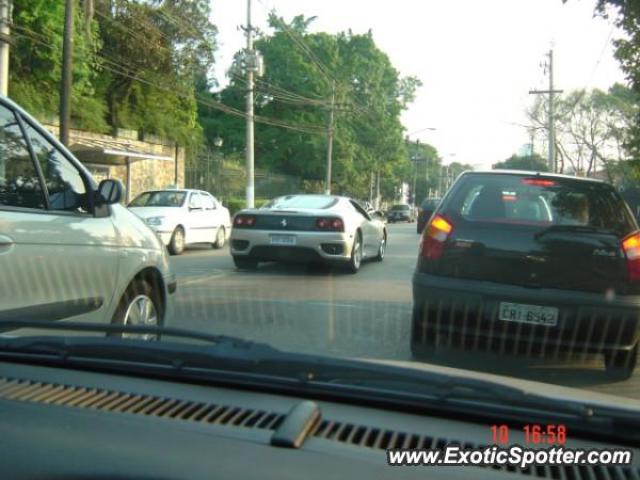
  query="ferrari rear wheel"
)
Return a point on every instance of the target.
[
  {"x": 356, "y": 254},
  {"x": 382, "y": 248}
]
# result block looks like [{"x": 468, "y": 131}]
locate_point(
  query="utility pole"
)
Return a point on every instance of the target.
[
  {"x": 551, "y": 126},
  {"x": 250, "y": 64},
  {"x": 377, "y": 189},
  {"x": 5, "y": 33},
  {"x": 66, "y": 78},
  {"x": 371, "y": 182},
  {"x": 327, "y": 188}
]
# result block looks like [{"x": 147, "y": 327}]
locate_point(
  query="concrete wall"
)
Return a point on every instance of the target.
[{"x": 146, "y": 174}]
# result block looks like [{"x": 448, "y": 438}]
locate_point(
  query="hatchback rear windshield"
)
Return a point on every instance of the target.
[
  {"x": 159, "y": 199},
  {"x": 400, "y": 207},
  {"x": 539, "y": 201},
  {"x": 302, "y": 201}
]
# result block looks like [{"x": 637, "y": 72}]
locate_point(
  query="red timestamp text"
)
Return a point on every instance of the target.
[{"x": 551, "y": 434}]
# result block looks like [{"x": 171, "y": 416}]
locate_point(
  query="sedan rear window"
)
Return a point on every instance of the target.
[
  {"x": 400, "y": 208},
  {"x": 314, "y": 202},
  {"x": 539, "y": 201}
]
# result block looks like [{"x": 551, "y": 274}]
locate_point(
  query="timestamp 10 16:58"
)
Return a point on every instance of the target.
[{"x": 551, "y": 434}]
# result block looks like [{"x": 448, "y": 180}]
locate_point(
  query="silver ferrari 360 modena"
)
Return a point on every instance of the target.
[{"x": 308, "y": 228}]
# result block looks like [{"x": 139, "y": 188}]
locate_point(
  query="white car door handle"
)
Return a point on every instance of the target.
[{"x": 5, "y": 241}]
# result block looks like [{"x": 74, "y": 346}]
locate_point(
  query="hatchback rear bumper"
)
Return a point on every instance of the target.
[{"x": 464, "y": 314}]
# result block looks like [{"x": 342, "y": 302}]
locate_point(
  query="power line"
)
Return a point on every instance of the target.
[
  {"x": 283, "y": 95},
  {"x": 122, "y": 70},
  {"x": 324, "y": 71}
]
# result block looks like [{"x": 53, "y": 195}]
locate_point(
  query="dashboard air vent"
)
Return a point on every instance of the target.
[{"x": 137, "y": 404}]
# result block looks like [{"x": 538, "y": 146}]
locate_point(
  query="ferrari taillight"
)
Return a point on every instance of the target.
[
  {"x": 244, "y": 221},
  {"x": 332, "y": 224}
]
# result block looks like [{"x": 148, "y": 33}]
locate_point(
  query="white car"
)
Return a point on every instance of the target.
[
  {"x": 308, "y": 228},
  {"x": 183, "y": 217},
  {"x": 68, "y": 250}
]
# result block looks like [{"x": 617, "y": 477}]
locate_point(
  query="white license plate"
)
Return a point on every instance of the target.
[
  {"x": 534, "y": 314},
  {"x": 283, "y": 240}
]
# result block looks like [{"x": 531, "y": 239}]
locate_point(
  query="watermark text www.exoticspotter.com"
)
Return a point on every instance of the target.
[{"x": 514, "y": 455}]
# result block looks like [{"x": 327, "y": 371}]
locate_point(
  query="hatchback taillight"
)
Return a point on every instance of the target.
[
  {"x": 631, "y": 247},
  {"x": 331, "y": 224},
  {"x": 244, "y": 221},
  {"x": 434, "y": 237}
]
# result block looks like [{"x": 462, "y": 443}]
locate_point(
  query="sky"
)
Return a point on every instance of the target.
[{"x": 477, "y": 59}]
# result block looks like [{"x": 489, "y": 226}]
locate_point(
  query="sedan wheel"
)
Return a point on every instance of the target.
[
  {"x": 221, "y": 237},
  {"x": 176, "y": 246}
]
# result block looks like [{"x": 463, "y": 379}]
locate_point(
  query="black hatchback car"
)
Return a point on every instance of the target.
[
  {"x": 426, "y": 210},
  {"x": 533, "y": 264}
]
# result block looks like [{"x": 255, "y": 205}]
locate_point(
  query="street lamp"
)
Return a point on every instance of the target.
[{"x": 217, "y": 143}]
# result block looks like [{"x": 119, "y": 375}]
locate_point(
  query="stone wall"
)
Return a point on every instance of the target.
[{"x": 146, "y": 174}]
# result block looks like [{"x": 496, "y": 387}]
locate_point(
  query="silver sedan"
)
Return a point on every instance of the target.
[{"x": 308, "y": 228}]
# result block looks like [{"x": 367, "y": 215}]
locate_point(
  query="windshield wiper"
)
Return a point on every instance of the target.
[
  {"x": 241, "y": 362},
  {"x": 7, "y": 326}
]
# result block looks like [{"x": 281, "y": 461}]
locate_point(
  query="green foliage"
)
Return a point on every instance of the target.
[
  {"x": 534, "y": 163},
  {"x": 369, "y": 94},
  {"x": 36, "y": 59},
  {"x": 592, "y": 127},
  {"x": 135, "y": 63},
  {"x": 627, "y": 51},
  {"x": 423, "y": 165}
]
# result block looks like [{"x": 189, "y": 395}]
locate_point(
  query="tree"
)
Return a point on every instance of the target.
[
  {"x": 592, "y": 128},
  {"x": 301, "y": 68},
  {"x": 627, "y": 52},
  {"x": 36, "y": 62},
  {"x": 152, "y": 54},
  {"x": 533, "y": 162},
  {"x": 424, "y": 166}
]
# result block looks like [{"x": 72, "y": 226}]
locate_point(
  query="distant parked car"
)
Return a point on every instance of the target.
[
  {"x": 401, "y": 212},
  {"x": 426, "y": 210},
  {"x": 183, "y": 217}
]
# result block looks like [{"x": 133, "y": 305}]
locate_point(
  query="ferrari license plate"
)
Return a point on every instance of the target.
[
  {"x": 283, "y": 240},
  {"x": 534, "y": 314}
]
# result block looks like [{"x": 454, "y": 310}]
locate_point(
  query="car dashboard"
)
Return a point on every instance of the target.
[{"x": 72, "y": 424}]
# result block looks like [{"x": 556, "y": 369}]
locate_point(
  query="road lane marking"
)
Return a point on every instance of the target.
[{"x": 190, "y": 280}]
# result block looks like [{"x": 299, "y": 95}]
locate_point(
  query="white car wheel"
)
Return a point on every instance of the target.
[
  {"x": 176, "y": 245},
  {"x": 221, "y": 237},
  {"x": 356, "y": 254}
]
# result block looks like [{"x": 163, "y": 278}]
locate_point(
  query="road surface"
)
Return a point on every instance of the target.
[{"x": 327, "y": 311}]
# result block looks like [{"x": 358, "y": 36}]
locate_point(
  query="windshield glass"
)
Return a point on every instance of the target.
[
  {"x": 159, "y": 199},
  {"x": 441, "y": 186}
]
